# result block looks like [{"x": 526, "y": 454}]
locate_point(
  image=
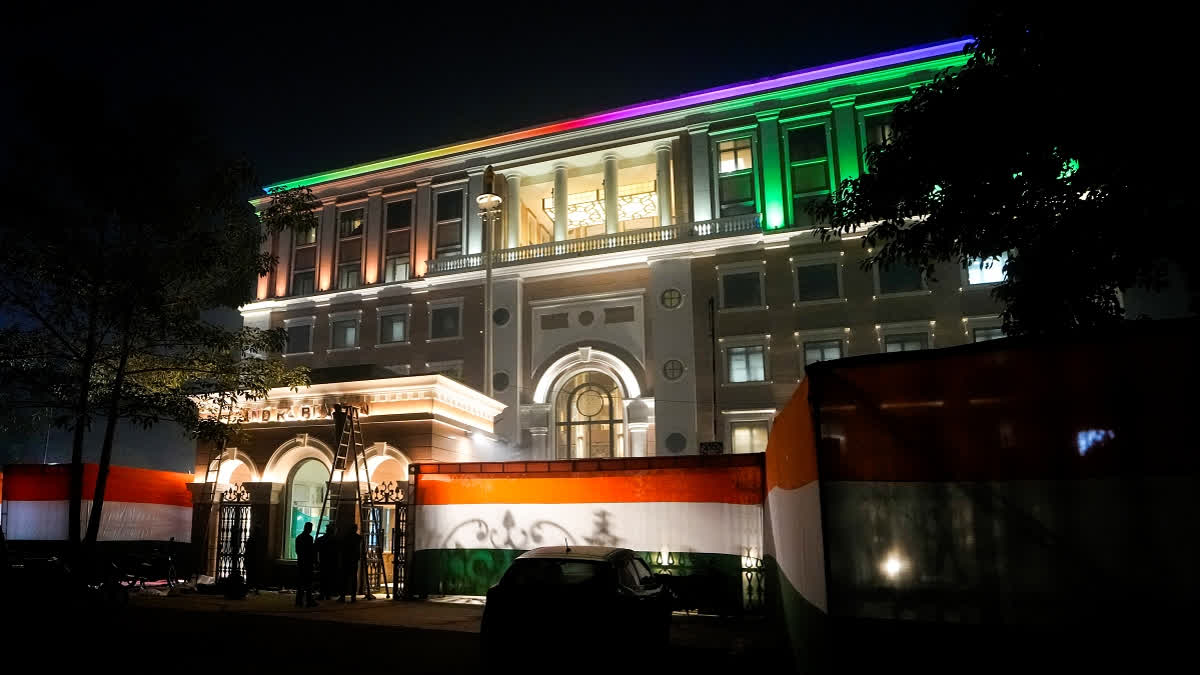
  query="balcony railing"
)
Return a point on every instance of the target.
[{"x": 601, "y": 243}]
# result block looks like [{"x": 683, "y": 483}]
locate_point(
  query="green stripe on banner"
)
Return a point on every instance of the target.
[
  {"x": 709, "y": 582},
  {"x": 805, "y": 625}
]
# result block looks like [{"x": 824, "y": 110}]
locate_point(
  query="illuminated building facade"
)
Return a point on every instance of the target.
[{"x": 615, "y": 234}]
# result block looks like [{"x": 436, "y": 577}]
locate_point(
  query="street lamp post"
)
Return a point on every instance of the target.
[{"x": 489, "y": 209}]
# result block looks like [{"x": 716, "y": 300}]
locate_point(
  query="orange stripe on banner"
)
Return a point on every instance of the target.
[
  {"x": 37, "y": 482},
  {"x": 725, "y": 485},
  {"x": 791, "y": 449}
]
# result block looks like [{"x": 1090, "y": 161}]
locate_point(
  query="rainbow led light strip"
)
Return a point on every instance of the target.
[{"x": 856, "y": 66}]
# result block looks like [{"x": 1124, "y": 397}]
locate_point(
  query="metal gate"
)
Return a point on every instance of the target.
[
  {"x": 389, "y": 500},
  {"x": 233, "y": 529}
]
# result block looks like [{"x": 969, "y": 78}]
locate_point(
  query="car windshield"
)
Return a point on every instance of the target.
[{"x": 551, "y": 572}]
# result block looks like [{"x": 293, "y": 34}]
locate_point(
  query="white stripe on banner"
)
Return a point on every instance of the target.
[
  {"x": 794, "y": 539},
  {"x": 122, "y": 521},
  {"x": 734, "y": 529}
]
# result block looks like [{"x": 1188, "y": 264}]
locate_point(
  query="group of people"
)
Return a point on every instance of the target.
[{"x": 337, "y": 560}]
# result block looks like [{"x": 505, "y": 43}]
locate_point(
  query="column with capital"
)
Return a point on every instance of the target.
[
  {"x": 373, "y": 236},
  {"x": 612, "y": 217},
  {"x": 702, "y": 200},
  {"x": 662, "y": 166},
  {"x": 560, "y": 202},
  {"x": 637, "y": 438},
  {"x": 772, "y": 170},
  {"x": 538, "y": 437},
  {"x": 422, "y": 239},
  {"x": 845, "y": 136}
]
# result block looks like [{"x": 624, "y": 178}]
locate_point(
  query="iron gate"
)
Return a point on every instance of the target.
[{"x": 233, "y": 529}]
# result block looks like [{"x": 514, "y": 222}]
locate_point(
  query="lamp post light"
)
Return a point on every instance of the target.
[{"x": 489, "y": 211}]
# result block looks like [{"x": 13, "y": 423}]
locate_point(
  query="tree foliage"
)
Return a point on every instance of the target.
[
  {"x": 130, "y": 244},
  {"x": 1026, "y": 150}
]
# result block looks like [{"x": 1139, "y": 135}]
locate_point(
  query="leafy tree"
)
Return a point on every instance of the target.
[
  {"x": 1028, "y": 151},
  {"x": 132, "y": 233}
]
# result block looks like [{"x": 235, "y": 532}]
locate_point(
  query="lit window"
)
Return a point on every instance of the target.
[
  {"x": 985, "y": 334},
  {"x": 899, "y": 277},
  {"x": 395, "y": 268},
  {"x": 823, "y": 350},
  {"x": 989, "y": 271},
  {"x": 345, "y": 333},
  {"x": 393, "y": 328},
  {"x": 741, "y": 289},
  {"x": 817, "y": 282},
  {"x": 746, "y": 364},
  {"x": 749, "y": 437},
  {"x": 350, "y": 223},
  {"x": 445, "y": 322},
  {"x": 306, "y": 236},
  {"x": 908, "y": 342},
  {"x": 299, "y": 339},
  {"x": 735, "y": 155},
  {"x": 808, "y": 158},
  {"x": 348, "y": 275},
  {"x": 303, "y": 283}
]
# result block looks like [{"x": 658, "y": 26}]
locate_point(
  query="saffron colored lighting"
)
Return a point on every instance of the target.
[{"x": 808, "y": 75}]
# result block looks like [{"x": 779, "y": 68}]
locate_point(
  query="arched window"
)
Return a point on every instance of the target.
[
  {"x": 588, "y": 417},
  {"x": 306, "y": 494}
]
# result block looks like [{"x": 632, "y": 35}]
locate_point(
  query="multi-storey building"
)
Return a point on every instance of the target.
[{"x": 654, "y": 277}]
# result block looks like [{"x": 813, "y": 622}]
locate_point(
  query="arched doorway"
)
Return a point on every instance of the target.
[
  {"x": 589, "y": 417},
  {"x": 306, "y": 495}
]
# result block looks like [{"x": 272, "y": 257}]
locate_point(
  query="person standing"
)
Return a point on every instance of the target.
[
  {"x": 327, "y": 562},
  {"x": 253, "y": 560},
  {"x": 304, "y": 567},
  {"x": 351, "y": 554}
]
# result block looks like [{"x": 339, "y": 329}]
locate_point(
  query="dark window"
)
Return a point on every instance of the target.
[
  {"x": 807, "y": 143},
  {"x": 817, "y": 282},
  {"x": 909, "y": 342},
  {"x": 449, "y": 239},
  {"x": 303, "y": 283},
  {"x": 879, "y": 129},
  {"x": 350, "y": 223},
  {"x": 554, "y": 321},
  {"x": 345, "y": 333},
  {"x": 445, "y": 322},
  {"x": 627, "y": 574},
  {"x": 449, "y": 205},
  {"x": 550, "y": 572},
  {"x": 393, "y": 328},
  {"x": 823, "y": 350},
  {"x": 810, "y": 178},
  {"x": 808, "y": 158},
  {"x": 899, "y": 277},
  {"x": 399, "y": 214},
  {"x": 737, "y": 194},
  {"x": 645, "y": 578},
  {"x": 742, "y": 289},
  {"x": 618, "y": 314},
  {"x": 299, "y": 339}
]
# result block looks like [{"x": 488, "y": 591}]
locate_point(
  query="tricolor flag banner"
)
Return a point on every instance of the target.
[
  {"x": 139, "y": 504},
  {"x": 694, "y": 514}
]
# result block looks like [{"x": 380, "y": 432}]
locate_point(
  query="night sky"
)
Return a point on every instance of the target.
[{"x": 301, "y": 92}]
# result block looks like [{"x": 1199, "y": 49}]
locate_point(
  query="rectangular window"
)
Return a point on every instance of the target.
[
  {"x": 451, "y": 370},
  {"x": 741, "y": 289},
  {"x": 554, "y": 321},
  {"x": 878, "y": 129},
  {"x": 985, "y": 334},
  {"x": 350, "y": 223},
  {"x": 445, "y": 322},
  {"x": 618, "y": 314},
  {"x": 746, "y": 364},
  {"x": 399, "y": 214},
  {"x": 808, "y": 159},
  {"x": 908, "y": 342},
  {"x": 449, "y": 206},
  {"x": 817, "y": 282},
  {"x": 303, "y": 283},
  {"x": 393, "y": 328},
  {"x": 749, "y": 437},
  {"x": 345, "y": 333},
  {"x": 306, "y": 236},
  {"x": 899, "y": 277},
  {"x": 299, "y": 339},
  {"x": 449, "y": 212},
  {"x": 735, "y": 180},
  {"x": 822, "y": 350},
  {"x": 395, "y": 268},
  {"x": 989, "y": 271},
  {"x": 348, "y": 275}
]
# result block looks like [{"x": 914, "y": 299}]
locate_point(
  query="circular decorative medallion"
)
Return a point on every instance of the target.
[
  {"x": 500, "y": 316},
  {"x": 499, "y": 381},
  {"x": 671, "y": 298},
  {"x": 676, "y": 442},
  {"x": 586, "y": 318},
  {"x": 589, "y": 403},
  {"x": 673, "y": 369}
]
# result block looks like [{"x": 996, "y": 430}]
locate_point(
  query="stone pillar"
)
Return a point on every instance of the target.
[
  {"x": 327, "y": 244},
  {"x": 422, "y": 241},
  {"x": 263, "y": 287},
  {"x": 771, "y": 170},
  {"x": 612, "y": 215},
  {"x": 540, "y": 446},
  {"x": 283, "y": 268},
  {"x": 512, "y": 201},
  {"x": 373, "y": 236},
  {"x": 702, "y": 195},
  {"x": 560, "y": 202},
  {"x": 637, "y": 438},
  {"x": 845, "y": 136},
  {"x": 474, "y": 240},
  {"x": 662, "y": 165}
]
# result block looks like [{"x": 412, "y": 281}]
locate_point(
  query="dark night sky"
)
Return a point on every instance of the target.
[{"x": 301, "y": 92}]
